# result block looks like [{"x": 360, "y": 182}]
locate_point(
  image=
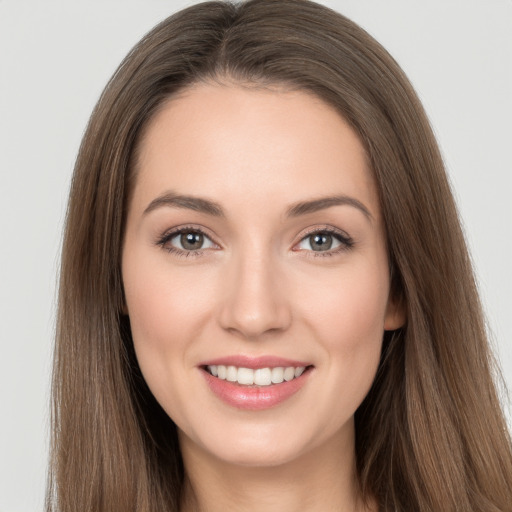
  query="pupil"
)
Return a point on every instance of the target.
[
  {"x": 321, "y": 242},
  {"x": 191, "y": 241}
]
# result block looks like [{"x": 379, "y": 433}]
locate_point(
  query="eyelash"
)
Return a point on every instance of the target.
[
  {"x": 164, "y": 240},
  {"x": 346, "y": 242}
]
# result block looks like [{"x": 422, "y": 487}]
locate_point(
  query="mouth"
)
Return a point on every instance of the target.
[
  {"x": 266, "y": 376},
  {"x": 255, "y": 383}
]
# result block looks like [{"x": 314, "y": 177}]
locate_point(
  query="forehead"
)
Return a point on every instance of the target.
[{"x": 259, "y": 145}]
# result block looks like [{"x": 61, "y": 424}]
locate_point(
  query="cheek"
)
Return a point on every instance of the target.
[
  {"x": 151, "y": 323},
  {"x": 165, "y": 307},
  {"x": 348, "y": 320},
  {"x": 350, "y": 306},
  {"x": 166, "y": 312}
]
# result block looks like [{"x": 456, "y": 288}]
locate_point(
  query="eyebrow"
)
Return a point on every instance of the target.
[
  {"x": 172, "y": 200},
  {"x": 315, "y": 205}
]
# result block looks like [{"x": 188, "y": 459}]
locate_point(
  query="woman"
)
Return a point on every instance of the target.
[{"x": 266, "y": 301}]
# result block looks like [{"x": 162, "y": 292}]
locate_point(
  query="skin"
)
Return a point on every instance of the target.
[{"x": 256, "y": 287}]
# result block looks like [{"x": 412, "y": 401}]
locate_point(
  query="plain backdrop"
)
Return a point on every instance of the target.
[{"x": 55, "y": 58}]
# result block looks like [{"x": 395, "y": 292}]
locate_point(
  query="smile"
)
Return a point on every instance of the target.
[
  {"x": 255, "y": 383},
  {"x": 258, "y": 376}
]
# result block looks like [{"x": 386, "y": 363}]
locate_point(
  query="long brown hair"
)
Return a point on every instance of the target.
[{"x": 430, "y": 435}]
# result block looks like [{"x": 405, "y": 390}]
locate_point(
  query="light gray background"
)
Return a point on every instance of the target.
[{"x": 55, "y": 58}]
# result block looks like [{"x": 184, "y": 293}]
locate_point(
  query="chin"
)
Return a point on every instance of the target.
[
  {"x": 247, "y": 454},
  {"x": 256, "y": 446}
]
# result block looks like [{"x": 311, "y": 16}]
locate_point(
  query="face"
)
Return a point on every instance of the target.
[{"x": 255, "y": 272}]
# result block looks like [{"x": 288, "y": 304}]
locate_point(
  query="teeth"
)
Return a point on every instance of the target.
[
  {"x": 245, "y": 376},
  {"x": 221, "y": 372},
  {"x": 231, "y": 373},
  {"x": 277, "y": 375},
  {"x": 263, "y": 377},
  {"x": 259, "y": 377},
  {"x": 289, "y": 373}
]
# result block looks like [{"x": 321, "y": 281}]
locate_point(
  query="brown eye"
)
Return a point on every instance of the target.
[{"x": 189, "y": 241}]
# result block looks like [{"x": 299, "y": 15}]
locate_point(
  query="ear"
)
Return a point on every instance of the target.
[{"x": 396, "y": 314}]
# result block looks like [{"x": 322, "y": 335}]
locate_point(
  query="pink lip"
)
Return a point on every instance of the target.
[
  {"x": 254, "y": 398},
  {"x": 254, "y": 362}
]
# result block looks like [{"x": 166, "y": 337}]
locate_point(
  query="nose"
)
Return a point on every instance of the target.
[{"x": 255, "y": 301}]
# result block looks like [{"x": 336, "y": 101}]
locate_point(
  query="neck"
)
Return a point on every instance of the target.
[{"x": 323, "y": 479}]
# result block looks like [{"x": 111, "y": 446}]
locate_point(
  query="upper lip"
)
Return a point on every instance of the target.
[{"x": 245, "y": 361}]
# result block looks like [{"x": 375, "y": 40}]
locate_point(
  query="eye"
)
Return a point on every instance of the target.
[
  {"x": 186, "y": 241},
  {"x": 325, "y": 241},
  {"x": 191, "y": 241}
]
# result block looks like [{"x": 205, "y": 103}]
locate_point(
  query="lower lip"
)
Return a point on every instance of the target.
[{"x": 254, "y": 398}]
